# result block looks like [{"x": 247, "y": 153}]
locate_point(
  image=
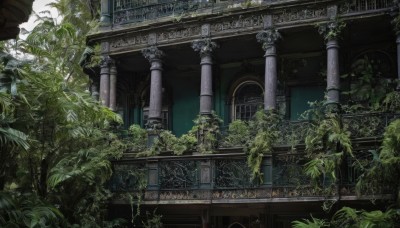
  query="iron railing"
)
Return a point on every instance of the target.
[
  {"x": 133, "y": 11},
  {"x": 224, "y": 178}
]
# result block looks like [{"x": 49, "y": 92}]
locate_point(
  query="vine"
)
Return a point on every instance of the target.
[{"x": 264, "y": 132}]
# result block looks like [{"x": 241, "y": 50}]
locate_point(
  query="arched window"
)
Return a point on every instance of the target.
[{"x": 247, "y": 99}]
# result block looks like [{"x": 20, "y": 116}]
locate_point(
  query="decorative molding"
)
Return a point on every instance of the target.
[
  {"x": 331, "y": 29},
  {"x": 296, "y": 14},
  {"x": 239, "y": 23},
  {"x": 268, "y": 37},
  {"x": 152, "y": 53},
  {"x": 165, "y": 36},
  {"x": 106, "y": 61},
  {"x": 129, "y": 41},
  {"x": 204, "y": 46}
]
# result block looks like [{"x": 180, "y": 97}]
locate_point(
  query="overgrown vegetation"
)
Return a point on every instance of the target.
[{"x": 56, "y": 141}]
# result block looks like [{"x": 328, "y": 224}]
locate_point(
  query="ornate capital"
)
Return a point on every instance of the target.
[
  {"x": 268, "y": 37},
  {"x": 106, "y": 61},
  {"x": 204, "y": 46},
  {"x": 332, "y": 29},
  {"x": 152, "y": 53}
]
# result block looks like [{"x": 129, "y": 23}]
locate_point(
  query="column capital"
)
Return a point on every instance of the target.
[
  {"x": 152, "y": 53},
  {"x": 331, "y": 30},
  {"x": 268, "y": 37},
  {"x": 204, "y": 46},
  {"x": 106, "y": 61}
]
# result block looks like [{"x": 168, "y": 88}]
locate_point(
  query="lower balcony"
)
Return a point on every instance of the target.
[{"x": 225, "y": 179}]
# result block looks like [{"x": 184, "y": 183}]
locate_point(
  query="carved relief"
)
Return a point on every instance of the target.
[
  {"x": 238, "y": 23},
  {"x": 129, "y": 41},
  {"x": 204, "y": 46},
  {"x": 268, "y": 37},
  {"x": 152, "y": 53},
  {"x": 298, "y": 14}
]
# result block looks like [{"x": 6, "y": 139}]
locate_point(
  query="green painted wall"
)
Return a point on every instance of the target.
[
  {"x": 185, "y": 106},
  {"x": 300, "y": 96}
]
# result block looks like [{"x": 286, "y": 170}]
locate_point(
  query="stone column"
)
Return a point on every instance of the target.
[
  {"x": 268, "y": 38},
  {"x": 105, "y": 81},
  {"x": 332, "y": 73},
  {"x": 113, "y": 86},
  {"x": 205, "y": 48},
  {"x": 330, "y": 31},
  {"x": 398, "y": 60},
  {"x": 205, "y": 218},
  {"x": 94, "y": 90},
  {"x": 105, "y": 12},
  {"x": 153, "y": 54}
]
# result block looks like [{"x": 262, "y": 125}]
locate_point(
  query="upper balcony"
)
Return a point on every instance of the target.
[{"x": 136, "y": 11}]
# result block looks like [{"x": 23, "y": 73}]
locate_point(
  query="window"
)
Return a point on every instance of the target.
[{"x": 247, "y": 100}]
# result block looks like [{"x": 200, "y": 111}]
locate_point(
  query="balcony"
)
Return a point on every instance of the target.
[
  {"x": 224, "y": 177},
  {"x": 135, "y": 11}
]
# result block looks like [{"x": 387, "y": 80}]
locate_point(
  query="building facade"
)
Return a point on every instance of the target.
[{"x": 165, "y": 62}]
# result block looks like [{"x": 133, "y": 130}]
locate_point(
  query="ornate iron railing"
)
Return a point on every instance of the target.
[
  {"x": 178, "y": 174},
  {"x": 132, "y": 11},
  {"x": 222, "y": 177},
  {"x": 233, "y": 173},
  {"x": 355, "y": 6}
]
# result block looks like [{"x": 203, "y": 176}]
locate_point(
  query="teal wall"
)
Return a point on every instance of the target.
[
  {"x": 300, "y": 96},
  {"x": 185, "y": 101}
]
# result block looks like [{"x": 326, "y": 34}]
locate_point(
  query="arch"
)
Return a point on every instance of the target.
[
  {"x": 236, "y": 225},
  {"x": 247, "y": 96}
]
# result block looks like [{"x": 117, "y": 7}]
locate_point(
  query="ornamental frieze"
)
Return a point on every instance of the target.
[
  {"x": 289, "y": 15},
  {"x": 178, "y": 34},
  {"x": 128, "y": 41},
  {"x": 254, "y": 21}
]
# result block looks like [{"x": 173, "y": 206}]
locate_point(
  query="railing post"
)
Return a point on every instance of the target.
[
  {"x": 152, "y": 175},
  {"x": 105, "y": 18},
  {"x": 205, "y": 174},
  {"x": 266, "y": 169}
]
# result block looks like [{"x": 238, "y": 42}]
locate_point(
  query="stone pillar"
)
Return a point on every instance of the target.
[
  {"x": 330, "y": 31},
  {"x": 113, "y": 86},
  {"x": 153, "y": 54},
  {"x": 105, "y": 18},
  {"x": 398, "y": 60},
  {"x": 332, "y": 74},
  {"x": 105, "y": 81},
  {"x": 94, "y": 90},
  {"x": 205, "y": 218},
  {"x": 205, "y": 48},
  {"x": 268, "y": 38}
]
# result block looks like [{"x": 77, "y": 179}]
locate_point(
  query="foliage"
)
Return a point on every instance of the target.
[
  {"x": 166, "y": 141},
  {"x": 56, "y": 141},
  {"x": 314, "y": 223},
  {"x": 384, "y": 170},
  {"x": 352, "y": 218},
  {"x": 208, "y": 132},
  {"x": 368, "y": 86},
  {"x": 264, "y": 132},
  {"x": 139, "y": 137},
  {"x": 349, "y": 217},
  {"x": 153, "y": 220},
  {"x": 238, "y": 134},
  {"x": 332, "y": 29},
  {"x": 18, "y": 210}
]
